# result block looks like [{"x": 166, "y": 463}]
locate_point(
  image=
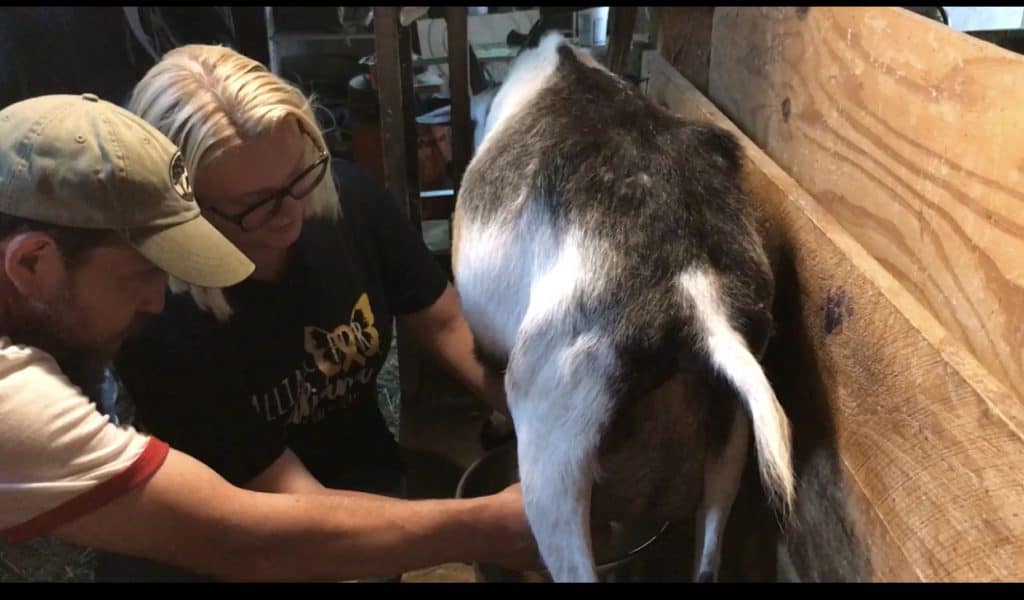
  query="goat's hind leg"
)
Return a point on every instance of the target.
[
  {"x": 558, "y": 400},
  {"x": 722, "y": 474}
]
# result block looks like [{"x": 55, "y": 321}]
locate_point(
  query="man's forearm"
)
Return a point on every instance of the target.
[
  {"x": 189, "y": 517},
  {"x": 348, "y": 535}
]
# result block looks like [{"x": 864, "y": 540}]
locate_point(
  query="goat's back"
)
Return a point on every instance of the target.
[
  {"x": 577, "y": 158},
  {"x": 648, "y": 194}
]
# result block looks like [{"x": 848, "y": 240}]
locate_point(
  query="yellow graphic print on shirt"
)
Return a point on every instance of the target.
[{"x": 335, "y": 351}]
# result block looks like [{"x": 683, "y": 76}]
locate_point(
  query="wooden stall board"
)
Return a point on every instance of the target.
[
  {"x": 911, "y": 135},
  {"x": 909, "y": 454}
]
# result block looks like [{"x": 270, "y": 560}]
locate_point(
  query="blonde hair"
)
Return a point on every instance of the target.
[{"x": 207, "y": 99}]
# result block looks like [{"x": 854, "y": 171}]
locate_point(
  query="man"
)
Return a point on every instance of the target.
[{"x": 95, "y": 209}]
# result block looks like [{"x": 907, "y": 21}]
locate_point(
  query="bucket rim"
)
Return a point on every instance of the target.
[{"x": 615, "y": 562}]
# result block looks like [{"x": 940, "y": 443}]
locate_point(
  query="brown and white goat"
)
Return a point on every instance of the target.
[{"x": 606, "y": 260}]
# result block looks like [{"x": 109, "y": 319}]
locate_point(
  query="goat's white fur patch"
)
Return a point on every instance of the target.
[
  {"x": 731, "y": 357},
  {"x": 528, "y": 75},
  {"x": 518, "y": 287},
  {"x": 559, "y": 404}
]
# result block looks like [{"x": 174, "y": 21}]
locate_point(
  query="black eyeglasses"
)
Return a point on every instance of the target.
[{"x": 261, "y": 213}]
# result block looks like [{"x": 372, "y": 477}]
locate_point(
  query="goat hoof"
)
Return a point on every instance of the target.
[{"x": 706, "y": 577}]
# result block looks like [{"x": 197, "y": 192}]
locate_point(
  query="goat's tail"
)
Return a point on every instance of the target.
[{"x": 731, "y": 357}]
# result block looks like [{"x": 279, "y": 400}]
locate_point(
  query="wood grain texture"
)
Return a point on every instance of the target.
[
  {"x": 912, "y": 135},
  {"x": 684, "y": 40},
  {"x": 621, "y": 23},
  {"x": 908, "y": 452},
  {"x": 458, "y": 66},
  {"x": 398, "y": 141}
]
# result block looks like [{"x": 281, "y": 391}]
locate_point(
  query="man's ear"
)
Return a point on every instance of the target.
[{"x": 34, "y": 264}]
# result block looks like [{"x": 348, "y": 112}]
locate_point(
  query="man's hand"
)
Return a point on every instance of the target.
[
  {"x": 519, "y": 550},
  {"x": 514, "y": 547}
]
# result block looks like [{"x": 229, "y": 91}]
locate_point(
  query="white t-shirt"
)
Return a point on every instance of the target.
[{"x": 60, "y": 458}]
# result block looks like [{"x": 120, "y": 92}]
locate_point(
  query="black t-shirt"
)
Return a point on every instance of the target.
[{"x": 296, "y": 364}]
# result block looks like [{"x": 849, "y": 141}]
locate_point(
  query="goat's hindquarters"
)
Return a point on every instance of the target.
[{"x": 558, "y": 396}]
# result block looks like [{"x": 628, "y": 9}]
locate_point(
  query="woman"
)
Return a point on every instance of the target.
[{"x": 272, "y": 382}]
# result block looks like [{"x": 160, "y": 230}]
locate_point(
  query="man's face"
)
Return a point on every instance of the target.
[{"x": 92, "y": 308}]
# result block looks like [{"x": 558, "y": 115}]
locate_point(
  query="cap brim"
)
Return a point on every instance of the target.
[{"x": 196, "y": 253}]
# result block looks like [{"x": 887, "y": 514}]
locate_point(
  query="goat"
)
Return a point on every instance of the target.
[{"x": 607, "y": 262}]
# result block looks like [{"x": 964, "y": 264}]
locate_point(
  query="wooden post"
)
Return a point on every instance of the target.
[
  {"x": 684, "y": 40},
  {"x": 621, "y": 22},
  {"x": 393, "y": 64},
  {"x": 458, "y": 69},
  {"x": 910, "y": 134},
  {"x": 908, "y": 453}
]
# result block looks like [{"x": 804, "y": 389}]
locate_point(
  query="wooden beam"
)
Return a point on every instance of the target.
[
  {"x": 621, "y": 23},
  {"x": 908, "y": 454},
  {"x": 393, "y": 65},
  {"x": 911, "y": 135},
  {"x": 458, "y": 69},
  {"x": 684, "y": 40}
]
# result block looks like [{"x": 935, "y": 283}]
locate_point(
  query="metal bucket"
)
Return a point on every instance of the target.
[{"x": 625, "y": 543}]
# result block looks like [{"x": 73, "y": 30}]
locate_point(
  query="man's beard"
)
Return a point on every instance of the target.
[{"x": 49, "y": 328}]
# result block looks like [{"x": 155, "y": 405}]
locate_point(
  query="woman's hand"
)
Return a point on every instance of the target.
[{"x": 442, "y": 330}]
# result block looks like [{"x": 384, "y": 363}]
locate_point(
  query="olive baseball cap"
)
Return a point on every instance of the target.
[{"x": 79, "y": 161}]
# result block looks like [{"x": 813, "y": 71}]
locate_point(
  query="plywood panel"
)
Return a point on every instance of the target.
[
  {"x": 684, "y": 40},
  {"x": 909, "y": 454},
  {"x": 911, "y": 135}
]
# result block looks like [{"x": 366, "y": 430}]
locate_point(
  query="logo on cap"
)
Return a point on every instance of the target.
[{"x": 179, "y": 177}]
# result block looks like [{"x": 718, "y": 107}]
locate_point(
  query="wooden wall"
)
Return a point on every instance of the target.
[
  {"x": 911, "y": 135},
  {"x": 684, "y": 40},
  {"x": 909, "y": 453}
]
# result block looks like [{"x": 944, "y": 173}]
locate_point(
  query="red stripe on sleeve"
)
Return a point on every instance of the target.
[{"x": 145, "y": 466}]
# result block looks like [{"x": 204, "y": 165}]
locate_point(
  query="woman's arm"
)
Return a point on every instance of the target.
[
  {"x": 421, "y": 296},
  {"x": 441, "y": 330}
]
